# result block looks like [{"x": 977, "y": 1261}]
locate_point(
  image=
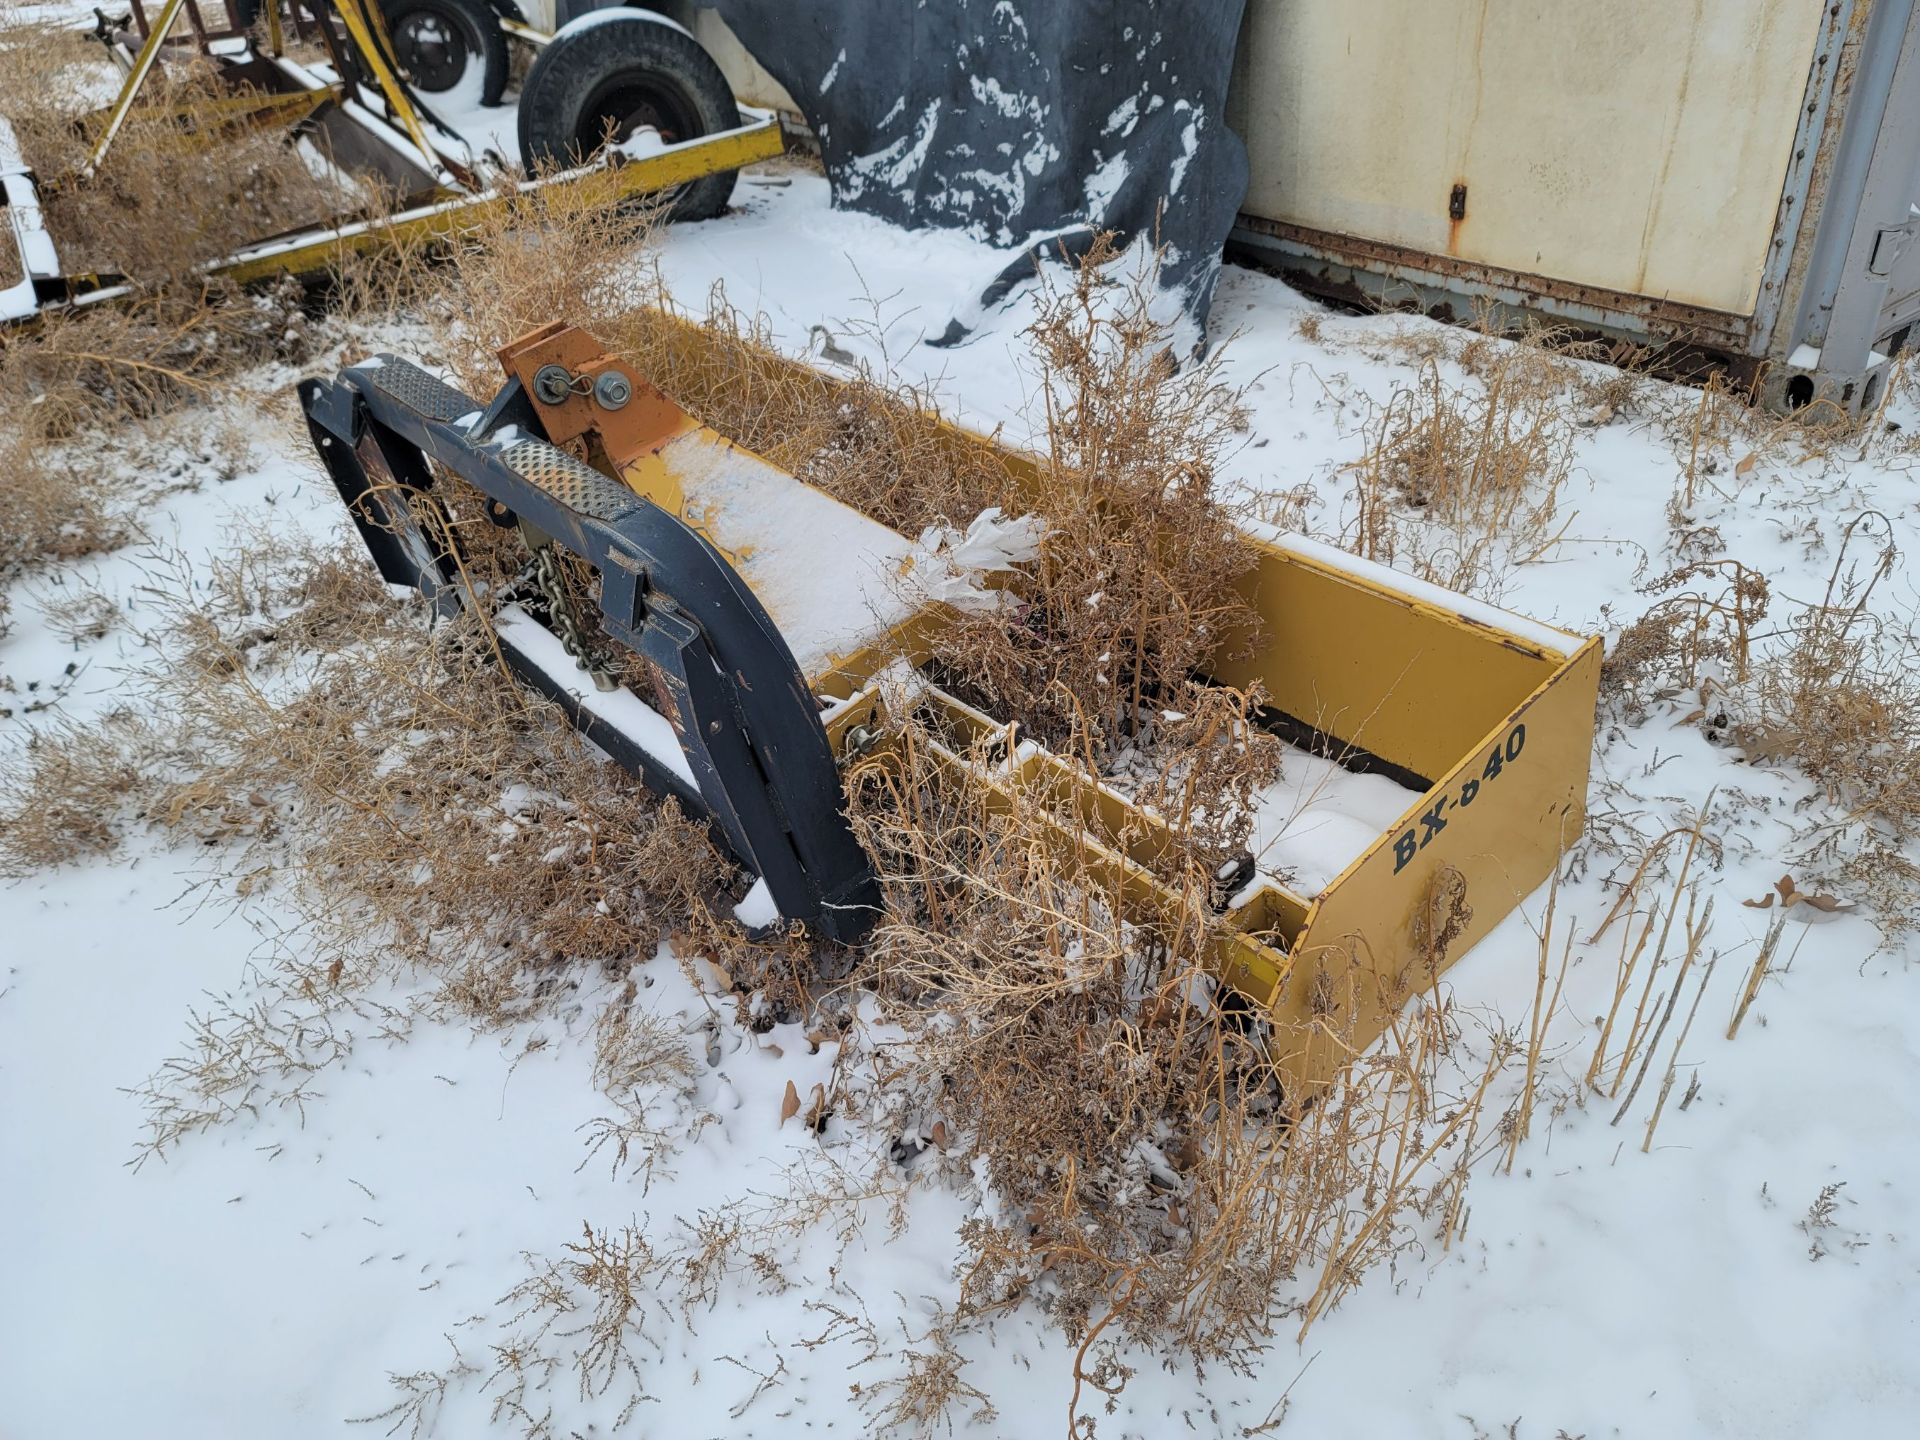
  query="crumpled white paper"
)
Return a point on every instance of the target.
[{"x": 948, "y": 565}]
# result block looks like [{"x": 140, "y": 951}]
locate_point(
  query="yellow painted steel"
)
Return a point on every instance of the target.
[
  {"x": 601, "y": 185},
  {"x": 364, "y": 23},
  {"x": 258, "y": 106},
  {"x": 316, "y": 251},
  {"x": 1465, "y": 854},
  {"x": 196, "y": 117},
  {"x": 656, "y": 474},
  {"x": 1497, "y": 717},
  {"x": 1390, "y": 672},
  {"x": 130, "y": 86}
]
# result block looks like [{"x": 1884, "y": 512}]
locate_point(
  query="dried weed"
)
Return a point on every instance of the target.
[
  {"x": 1842, "y": 699},
  {"x": 128, "y": 219},
  {"x": 1138, "y": 581},
  {"x": 1148, "y": 1182},
  {"x": 412, "y": 805},
  {"x": 559, "y": 253},
  {"x": 1461, "y": 482},
  {"x": 72, "y": 793}
]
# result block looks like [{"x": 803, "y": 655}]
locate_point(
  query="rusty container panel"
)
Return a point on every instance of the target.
[{"x": 1640, "y": 146}]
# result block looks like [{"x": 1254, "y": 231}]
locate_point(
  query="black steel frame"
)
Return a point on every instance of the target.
[{"x": 765, "y": 775}]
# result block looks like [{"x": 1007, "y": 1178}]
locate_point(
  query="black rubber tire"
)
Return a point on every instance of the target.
[
  {"x": 620, "y": 67},
  {"x": 475, "y": 29}
]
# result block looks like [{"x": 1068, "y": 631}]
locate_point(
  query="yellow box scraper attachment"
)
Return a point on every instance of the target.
[{"x": 768, "y": 608}]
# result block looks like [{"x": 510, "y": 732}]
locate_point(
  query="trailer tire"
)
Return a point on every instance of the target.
[
  {"x": 626, "y": 68},
  {"x": 436, "y": 41}
]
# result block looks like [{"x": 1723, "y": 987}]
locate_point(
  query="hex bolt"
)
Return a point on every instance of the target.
[
  {"x": 552, "y": 384},
  {"x": 612, "y": 390}
]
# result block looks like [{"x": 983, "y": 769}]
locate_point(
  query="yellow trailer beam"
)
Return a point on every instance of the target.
[
  {"x": 310, "y": 252},
  {"x": 256, "y": 109}
]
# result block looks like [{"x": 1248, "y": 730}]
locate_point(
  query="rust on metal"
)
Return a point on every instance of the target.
[
  {"x": 642, "y": 423},
  {"x": 1456, "y": 214},
  {"x": 1604, "y": 306}
]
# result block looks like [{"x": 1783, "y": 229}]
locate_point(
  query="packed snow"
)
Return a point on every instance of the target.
[
  {"x": 827, "y": 575},
  {"x": 1319, "y": 818}
]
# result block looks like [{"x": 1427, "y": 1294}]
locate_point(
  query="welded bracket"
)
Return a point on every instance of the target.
[{"x": 753, "y": 755}]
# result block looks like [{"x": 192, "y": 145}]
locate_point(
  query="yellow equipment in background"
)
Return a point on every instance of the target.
[{"x": 365, "y": 122}]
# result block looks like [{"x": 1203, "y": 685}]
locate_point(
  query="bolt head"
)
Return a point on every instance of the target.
[{"x": 612, "y": 390}]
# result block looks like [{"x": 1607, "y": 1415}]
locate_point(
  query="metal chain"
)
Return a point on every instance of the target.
[{"x": 546, "y": 574}]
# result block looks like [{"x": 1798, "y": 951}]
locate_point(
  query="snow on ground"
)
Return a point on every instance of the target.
[
  {"x": 488, "y": 129},
  {"x": 266, "y": 1276}
]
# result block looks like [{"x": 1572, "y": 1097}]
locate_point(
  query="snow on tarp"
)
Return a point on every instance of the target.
[{"x": 1018, "y": 120}]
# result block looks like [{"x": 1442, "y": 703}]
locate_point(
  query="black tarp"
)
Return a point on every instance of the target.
[{"x": 1016, "y": 120}]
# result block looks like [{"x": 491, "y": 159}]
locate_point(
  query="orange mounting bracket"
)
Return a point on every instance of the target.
[{"x": 591, "y": 404}]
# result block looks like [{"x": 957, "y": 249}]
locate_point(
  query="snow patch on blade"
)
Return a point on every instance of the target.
[{"x": 621, "y": 708}]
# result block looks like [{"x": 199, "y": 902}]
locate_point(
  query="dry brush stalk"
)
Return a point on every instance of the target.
[
  {"x": 1696, "y": 930},
  {"x": 1542, "y": 1016},
  {"x": 1460, "y": 482},
  {"x": 1630, "y": 956},
  {"x": 1756, "y": 976},
  {"x": 1673, "y": 1061},
  {"x": 1152, "y": 1183}
]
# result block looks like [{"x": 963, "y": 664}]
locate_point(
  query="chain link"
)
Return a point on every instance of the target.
[{"x": 546, "y": 574}]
